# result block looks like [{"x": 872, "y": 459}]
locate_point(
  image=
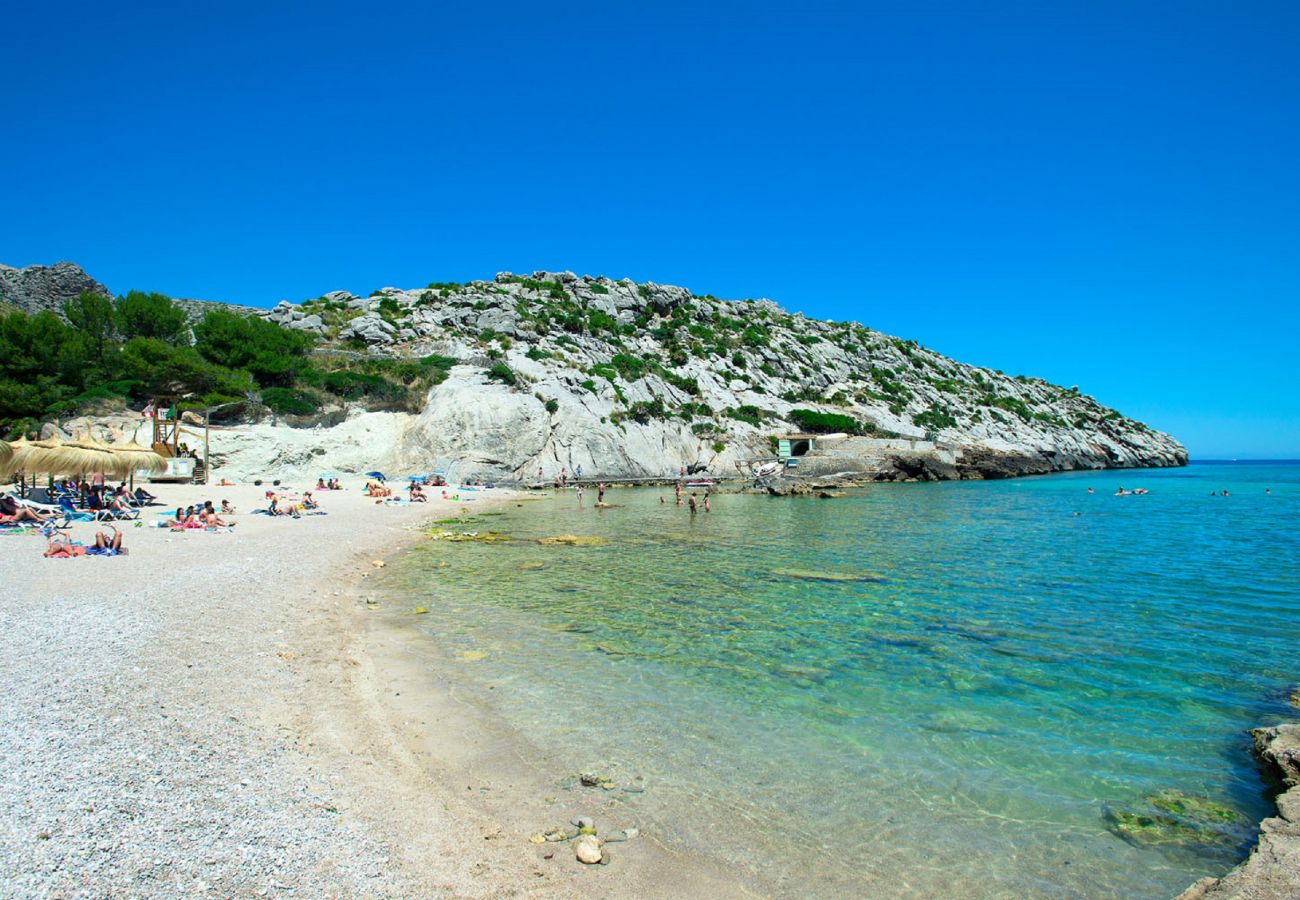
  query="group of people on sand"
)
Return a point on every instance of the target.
[
  {"x": 331, "y": 485},
  {"x": 375, "y": 489},
  {"x": 202, "y": 517},
  {"x": 294, "y": 507}
]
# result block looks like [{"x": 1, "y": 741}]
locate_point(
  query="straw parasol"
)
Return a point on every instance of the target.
[
  {"x": 93, "y": 456},
  {"x": 139, "y": 457}
]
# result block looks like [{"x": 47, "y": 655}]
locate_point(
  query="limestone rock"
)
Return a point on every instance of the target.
[
  {"x": 37, "y": 289},
  {"x": 371, "y": 328},
  {"x": 1279, "y": 747},
  {"x": 587, "y": 849}
]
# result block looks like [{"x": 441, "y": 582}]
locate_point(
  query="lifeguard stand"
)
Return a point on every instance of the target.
[{"x": 167, "y": 439}]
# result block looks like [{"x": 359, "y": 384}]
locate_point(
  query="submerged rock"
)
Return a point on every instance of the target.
[
  {"x": 572, "y": 540},
  {"x": 485, "y": 537},
  {"x": 587, "y": 849},
  {"x": 1171, "y": 818},
  {"x": 815, "y": 575}
]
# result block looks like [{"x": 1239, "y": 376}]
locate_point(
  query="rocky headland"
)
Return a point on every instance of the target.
[{"x": 552, "y": 371}]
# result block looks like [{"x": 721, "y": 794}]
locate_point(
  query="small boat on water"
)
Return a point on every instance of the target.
[{"x": 700, "y": 483}]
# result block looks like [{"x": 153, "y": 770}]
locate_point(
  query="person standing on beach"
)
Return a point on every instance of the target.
[
  {"x": 706, "y": 501},
  {"x": 578, "y": 487},
  {"x": 692, "y": 504},
  {"x": 600, "y": 492}
]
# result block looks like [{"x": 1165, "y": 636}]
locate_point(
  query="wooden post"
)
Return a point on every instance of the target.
[{"x": 207, "y": 420}]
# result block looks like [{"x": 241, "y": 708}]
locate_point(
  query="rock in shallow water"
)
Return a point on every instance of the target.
[{"x": 587, "y": 849}]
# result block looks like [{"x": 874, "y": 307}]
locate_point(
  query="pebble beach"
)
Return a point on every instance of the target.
[{"x": 211, "y": 713}]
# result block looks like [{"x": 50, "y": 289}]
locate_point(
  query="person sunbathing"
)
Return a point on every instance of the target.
[
  {"x": 109, "y": 544},
  {"x": 375, "y": 490},
  {"x": 417, "y": 494},
  {"x": 63, "y": 549},
  {"x": 226, "y": 508},
  {"x": 11, "y": 513},
  {"x": 308, "y": 502},
  {"x": 320, "y": 485},
  {"x": 143, "y": 496}
]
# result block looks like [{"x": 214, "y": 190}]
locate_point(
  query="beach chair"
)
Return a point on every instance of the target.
[
  {"x": 113, "y": 515},
  {"x": 72, "y": 514}
]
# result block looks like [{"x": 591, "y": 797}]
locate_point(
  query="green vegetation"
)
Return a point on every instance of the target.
[
  {"x": 502, "y": 373},
  {"x": 290, "y": 401},
  {"x": 935, "y": 417},
  {"x": 748, "y": 414},
  {"x": 136, "y": 348},
  {"x": 811, "y": 420}
]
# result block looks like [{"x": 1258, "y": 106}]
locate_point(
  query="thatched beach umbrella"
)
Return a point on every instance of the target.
[
  {"x": 139, "y": 457},
  {"x": 51, "y": 457},
  {"x": 89, "y": 455},
  {"x": 19, "y": 450}
]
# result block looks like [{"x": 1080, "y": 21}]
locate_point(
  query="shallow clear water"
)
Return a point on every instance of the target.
[{"x": 1018, "y": 663}]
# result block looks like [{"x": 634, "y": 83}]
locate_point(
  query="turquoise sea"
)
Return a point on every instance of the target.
[{"x": 978, "y": 689}]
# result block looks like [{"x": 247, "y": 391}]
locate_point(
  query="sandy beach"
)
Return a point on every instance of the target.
[{"x": 219, "y": 713}]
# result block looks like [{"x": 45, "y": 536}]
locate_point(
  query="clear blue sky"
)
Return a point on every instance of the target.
[{"x": 1101, "y": 194}]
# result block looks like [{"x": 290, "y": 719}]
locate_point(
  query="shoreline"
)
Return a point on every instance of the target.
[
  {"x": 220, "y": 712},
  {"x": 279, "y": 673}
]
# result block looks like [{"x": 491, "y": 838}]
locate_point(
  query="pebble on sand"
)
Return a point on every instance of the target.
[{"x": 587, "y": 849}]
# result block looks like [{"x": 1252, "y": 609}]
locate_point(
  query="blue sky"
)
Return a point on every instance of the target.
[{"x": 1101, "y": 194}]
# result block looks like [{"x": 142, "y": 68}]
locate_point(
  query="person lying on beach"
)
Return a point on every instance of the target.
[
  {"x": 375, "y": 490},
  {"x": 143, "y": 496},
  {"x": 63, "y": 549},
  {"x": 11, "y": 513},
  {"x": 105, "y": 545}
]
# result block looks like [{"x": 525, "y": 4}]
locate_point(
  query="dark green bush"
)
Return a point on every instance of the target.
[
  {"x": 815, "y": 422},
  {"x": 289, "y": 401},
  {"x": 751, "y": 414},
  {"x": 502, "y": 373},
  {"x": 935, "y": 417}
]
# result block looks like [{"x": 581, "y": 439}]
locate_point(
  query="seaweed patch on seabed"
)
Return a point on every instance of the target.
[
  {"x": 836, "y": 577},
  {"x": 1171, "y": 819}
]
